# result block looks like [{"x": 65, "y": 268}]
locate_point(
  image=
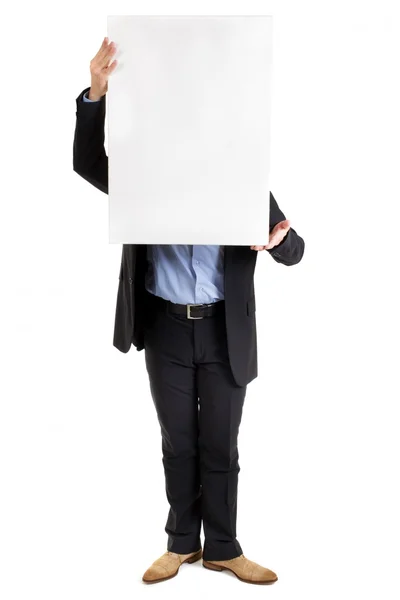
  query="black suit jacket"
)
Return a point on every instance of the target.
[{"x": 91, "y": 162}]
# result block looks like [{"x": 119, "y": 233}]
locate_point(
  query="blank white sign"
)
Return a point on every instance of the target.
[{"x": 189, "y": 129}]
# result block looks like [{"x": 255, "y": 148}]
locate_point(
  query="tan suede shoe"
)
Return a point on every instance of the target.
[
  {"x": 167, "y": 566},
  {"x": 246, "y": 570}
]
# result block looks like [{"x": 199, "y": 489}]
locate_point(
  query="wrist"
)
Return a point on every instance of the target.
[{"x": 94, "y": 96}]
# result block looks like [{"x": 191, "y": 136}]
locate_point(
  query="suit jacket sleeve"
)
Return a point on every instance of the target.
[
  {"x": 89, "y": 156},
  {"x": 291, "y": 249}
]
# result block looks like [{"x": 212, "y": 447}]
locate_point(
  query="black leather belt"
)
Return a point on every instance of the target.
[{"x": 191, "y": 311}]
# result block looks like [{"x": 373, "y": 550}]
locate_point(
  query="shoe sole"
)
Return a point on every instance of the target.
[
  {"x": 212, "y": 567},
  {"x": 189, "y": 560}
]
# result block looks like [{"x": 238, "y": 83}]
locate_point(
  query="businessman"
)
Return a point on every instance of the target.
[{"x": 192, "y": 310}]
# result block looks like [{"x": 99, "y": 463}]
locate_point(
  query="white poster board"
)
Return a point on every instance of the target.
[{"x": 189, "y": 129}]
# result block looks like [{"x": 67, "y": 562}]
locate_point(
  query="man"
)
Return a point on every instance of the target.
[{"x": 192, "y": 309}]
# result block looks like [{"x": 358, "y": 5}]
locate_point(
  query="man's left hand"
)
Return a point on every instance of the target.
[{"x": 276, "y": 236}]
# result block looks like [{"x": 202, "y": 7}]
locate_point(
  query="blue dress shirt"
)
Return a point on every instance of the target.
[{"x": 185, "y": 274}]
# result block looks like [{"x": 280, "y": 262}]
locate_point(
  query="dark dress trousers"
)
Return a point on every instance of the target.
[{"x": 198, "y": 369}]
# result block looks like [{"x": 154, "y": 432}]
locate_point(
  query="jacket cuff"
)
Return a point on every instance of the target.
[{"x": 89, "y": 109}]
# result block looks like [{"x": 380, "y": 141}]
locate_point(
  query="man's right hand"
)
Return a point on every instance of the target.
[{"x": 100, "y": 70}]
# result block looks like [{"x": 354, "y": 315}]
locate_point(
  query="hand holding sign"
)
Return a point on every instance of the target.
[
  {"x": 276, "y": 236},
  {"x": 100, "y": 69}
]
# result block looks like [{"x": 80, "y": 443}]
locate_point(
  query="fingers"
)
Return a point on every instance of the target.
[
  {"x": 103, "y": 44},
  {"x": 102, "y": 50},
  {"x": 108, "y": 54},
  {"x": 111, "y": 68},
  {"x": 104, "y": 55},
  {"x": 279, "y": 232}
]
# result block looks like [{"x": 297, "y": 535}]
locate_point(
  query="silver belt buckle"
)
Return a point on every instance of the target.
[{"x": 188, "y": 307}]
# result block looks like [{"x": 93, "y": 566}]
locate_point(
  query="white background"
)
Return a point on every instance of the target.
[{"x": 82, "y": 497}]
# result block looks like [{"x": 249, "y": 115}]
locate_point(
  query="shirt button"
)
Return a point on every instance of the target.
[{"x": 197, "y": 262}]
